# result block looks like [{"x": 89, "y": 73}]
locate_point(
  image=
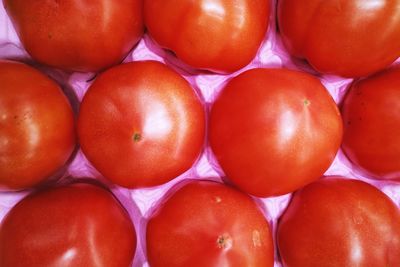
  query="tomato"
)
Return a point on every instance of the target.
[
  {"x": 371, "y": 115},
  {"x": 76, "y": 225},
  {"x": 339, "y": 222},
  {"x": 37, "y": 134},
  {"x": 351, "y": 38},
  {"x": 274, "y": 130},
  {"x": 206, "y": 223},
  {"x": 218, "y": 35},
  {"x": 141, "y": 124},
  {"x": 76, "y": 35}
]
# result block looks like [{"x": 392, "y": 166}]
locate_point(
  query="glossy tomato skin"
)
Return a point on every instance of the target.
[
  {"x": 350, "y": 38},
  {"x": 339, "y": 222},
  {"x": 76, "y": 225},
  {"x": 37, "y": 132},
  {"x": 274, "y": 130},
  {"x": 77, "y": 35},
  {"x": 141, "y": 124},
  {"x": 371, "y": 116},
  {"x": 218, "y": 35},
  {"x": 205, "y": 223}
]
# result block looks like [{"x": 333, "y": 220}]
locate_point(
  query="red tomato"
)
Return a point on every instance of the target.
[
  {"x": 37, "y": 134},
  {"x": 219, "y": 35},
  {"x": 205, "y": 223},
  {"x": 340, "y": 222},
  {"x": 77, "y": 225},
  {"x": 77, "y": 35},
  {"x": 371, "y": 115},
  {"x": 350, "y": 38},
  {"x": 274, "y": 130},
  {"x": 141, "y": 124}
]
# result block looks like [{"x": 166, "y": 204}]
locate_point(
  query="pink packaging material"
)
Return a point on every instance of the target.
[{"x": 141, "y": 202}]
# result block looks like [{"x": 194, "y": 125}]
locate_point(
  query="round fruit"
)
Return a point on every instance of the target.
[
  {"x": 371, "y": 115},
  {"x": 206, "y": 223},
  {"x": 77, "y": 35},
  {"x": 76, "y": 225},
  {"x": 141, "y": 124},
  {"x": 218, "y": 35},
  {"x": 274, "y": 130},
  {"x": 351, "y": 38},
  {"x": 339, "y": 222},
  {"x": 37, "y": 134}
]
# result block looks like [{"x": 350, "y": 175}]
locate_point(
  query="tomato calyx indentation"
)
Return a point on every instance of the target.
[
  {"x": 224, "y": 241},
  {"x": 306, "y": 102},
  {"x": 136, "y": 137}
]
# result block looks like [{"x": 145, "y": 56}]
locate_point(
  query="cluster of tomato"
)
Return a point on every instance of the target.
[{"x": 141, "y": 124}]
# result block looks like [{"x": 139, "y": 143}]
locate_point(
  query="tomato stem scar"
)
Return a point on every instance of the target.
[
  {"x": 306, "y": 102},
  {"x": 137, "y": 137},
  {"x": 224, "y": 241}
]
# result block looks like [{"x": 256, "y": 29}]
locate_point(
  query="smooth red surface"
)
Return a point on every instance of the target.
[
  {"x": 351, "y": 38},
  {"x": 77, "y": 225},
  {"x": 337, "y": 222},
  {"x": 274, "y": 130},
  {"x": 77, "y": 35},
  {"x": 218, "y": 35},
  {"x": 37, "y": 134},
  {"x": 141, "y": 124},
  {"x": 371, "y": 115},
  {"x": 206, "y": 223}
]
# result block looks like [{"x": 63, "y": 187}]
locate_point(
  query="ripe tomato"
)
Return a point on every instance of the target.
[
  {"x": 371, "y": 114},
  {"x": 141, "y": 124},
  {"x": 219, "y": 35},
  {"x": 76, "y": 225},
  {"x": 37, "y": 134},
  {"x": 77, "y": 35},
  {"x": 274, "y": 130},
  {"x": 339, "y": 222},
  {"x": 205, "y": 223},
  {"x": 351, "y": 38}
]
